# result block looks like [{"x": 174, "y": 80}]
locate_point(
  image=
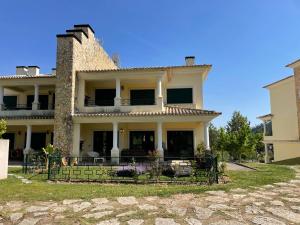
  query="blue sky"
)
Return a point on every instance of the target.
[{"x": 248, "y": 42}]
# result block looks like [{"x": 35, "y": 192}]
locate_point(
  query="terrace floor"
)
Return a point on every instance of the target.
[{"x": 273, "y": 204}]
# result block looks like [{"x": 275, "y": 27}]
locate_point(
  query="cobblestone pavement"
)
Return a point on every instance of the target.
[{"x": 276, "y": 204}]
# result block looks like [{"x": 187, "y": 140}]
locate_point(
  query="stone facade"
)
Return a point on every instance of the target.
[{"x": 76, "y": 50}]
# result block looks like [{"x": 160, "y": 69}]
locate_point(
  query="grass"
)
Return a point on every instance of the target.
[
  {"x": 40, "y": 190},
  {"x": 294, "y": 161}
]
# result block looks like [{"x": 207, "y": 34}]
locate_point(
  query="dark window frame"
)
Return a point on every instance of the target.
[
  {"x": 269, "y": 128},
  {"x": 105, "y": 101},
  {"x": 144, "y": 100},
  {"x": 179, "y": 99}
]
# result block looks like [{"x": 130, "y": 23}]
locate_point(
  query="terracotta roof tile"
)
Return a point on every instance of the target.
[
  {"x": 147, "y": 68},
  {"x": 3, "y": 77},
  {"x": 170, "y": 111},
  {"x": 26, "y": 117}
]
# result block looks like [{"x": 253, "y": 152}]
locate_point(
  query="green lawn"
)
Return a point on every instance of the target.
[{"x": 13, "y": 189}]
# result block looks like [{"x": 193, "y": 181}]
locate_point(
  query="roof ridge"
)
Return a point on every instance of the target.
[{"x": 147, "y": 68}]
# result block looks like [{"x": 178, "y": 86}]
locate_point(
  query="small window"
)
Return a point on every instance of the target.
[
  {"x": 180, "y": 96},
  {"x": 269, "y": 130}
]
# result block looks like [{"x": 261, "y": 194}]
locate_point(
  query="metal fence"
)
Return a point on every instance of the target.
[
  {"x": 35, "y": 163},
  {"x": 200, "y": 170}
]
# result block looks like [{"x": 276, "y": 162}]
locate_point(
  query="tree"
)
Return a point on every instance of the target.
[
  {"x": 240, "y": 143},
  {"x": 213, "y": 138}
]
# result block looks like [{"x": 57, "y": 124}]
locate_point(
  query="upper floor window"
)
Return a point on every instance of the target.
[
  {"x": 10, "y": 102},
  {"x": 142, "y": 97},
  {"x": 268, "y": 125},
  {"x": 180, "y": 96}
]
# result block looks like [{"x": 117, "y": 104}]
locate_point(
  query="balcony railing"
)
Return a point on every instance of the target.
[
  {"x": 145, "y": 101},
  {"x": 17, "y": 107},
  {"x": 25, "y": 107},
  {"x": 99, "y": 102},
  {"x": 123, "y": 102}
]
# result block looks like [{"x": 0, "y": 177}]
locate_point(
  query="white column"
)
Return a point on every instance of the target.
[
  {"x": 118, "y": 92},
  {"x": 28, "y": 139},
  {"x": 76, "y": 140},
  {"x": 115, "y": 153},
  {"x": 266, "y": 154},
  {"x": 159, "y": 97},
  {"x": 1, "y": 97},
  {"x": 206, "y": 136},
  {"x": 81, "y": 94},
  {"x": 159, "y": 140},
  {"x": 159, "y": 88},
  {"x": 35, "y": 104}
]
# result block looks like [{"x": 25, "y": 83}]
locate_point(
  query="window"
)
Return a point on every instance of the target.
[
  {"x": 142, "y": 97},
  {"x": 105, "y": 97},
  {"x": 268, "y": 131},
  {"x": 180, "y": 96},
  {"x": 180, "y": 144},
  {"x": 10, "y": 102},
  {"x": 142, "y": 141}
]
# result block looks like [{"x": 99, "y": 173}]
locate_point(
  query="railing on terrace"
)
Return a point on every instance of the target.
[
  {"x": 24, "y": 107},
  {"x": 132, "y": 102},
  {"x": 18, "y": 107},
  {"x": 202, "y": 170},
  {"x": 123, "y": 102},
  {"x": 99, "y": 102}
]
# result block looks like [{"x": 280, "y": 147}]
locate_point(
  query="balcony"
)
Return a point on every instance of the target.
[
  {"x": 27, "y": 100},
  {"x": 128, "y": 95}
]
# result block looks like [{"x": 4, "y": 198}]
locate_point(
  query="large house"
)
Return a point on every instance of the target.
[
  {"x": 88, "y": 104},
  {"x": 282, "y": 125}
]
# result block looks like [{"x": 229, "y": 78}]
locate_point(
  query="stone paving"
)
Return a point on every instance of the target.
[{"x": 276, "y": 204}]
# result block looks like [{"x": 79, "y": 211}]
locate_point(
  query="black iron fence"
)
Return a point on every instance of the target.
[
  {"x": 200, "y": 170},
  {"x": 35, "y": 163}
]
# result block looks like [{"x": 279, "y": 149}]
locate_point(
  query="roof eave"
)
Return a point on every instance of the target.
[{"x": 294, "y": 64}]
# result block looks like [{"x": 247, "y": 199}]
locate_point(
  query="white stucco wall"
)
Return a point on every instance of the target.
[{"x": 4, "y": 146}]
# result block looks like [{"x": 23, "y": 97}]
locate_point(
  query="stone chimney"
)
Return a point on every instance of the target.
[
  {"x": 21, "y": 70},
  {"x": 190, "y": 60},
  {"x": 77, "y": 49},
  {"x": 53, "y": 71},
  {"x": 33, "y": 70},
  {"x": 296, "y": 67}
]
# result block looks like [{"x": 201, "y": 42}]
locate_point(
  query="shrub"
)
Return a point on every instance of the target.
[
  {"x": 126, "y": 173},
  {"x": 222, "y": 167},
  {"x": 3, "y": 127},
  {"x": 168, "y": 172},
  {"x": 200, "y": 150}
]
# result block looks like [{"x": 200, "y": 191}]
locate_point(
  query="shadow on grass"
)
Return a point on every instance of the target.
[{"x": 291, "y": 162}]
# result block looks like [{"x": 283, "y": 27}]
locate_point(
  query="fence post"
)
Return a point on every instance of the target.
[
  {"x": 49, "y": 167},
  {"x": 216, "y": 170}
]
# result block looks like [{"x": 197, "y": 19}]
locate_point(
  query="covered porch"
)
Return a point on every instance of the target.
[
  {"x": 26, "y": 135},
  {"x": 111, "y": 141}
]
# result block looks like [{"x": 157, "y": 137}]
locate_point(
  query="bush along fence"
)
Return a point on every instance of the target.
[{"x": 201, "y": 170}]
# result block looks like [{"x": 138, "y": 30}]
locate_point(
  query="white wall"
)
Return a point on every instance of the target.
[{"x": 4, "y": 146}]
